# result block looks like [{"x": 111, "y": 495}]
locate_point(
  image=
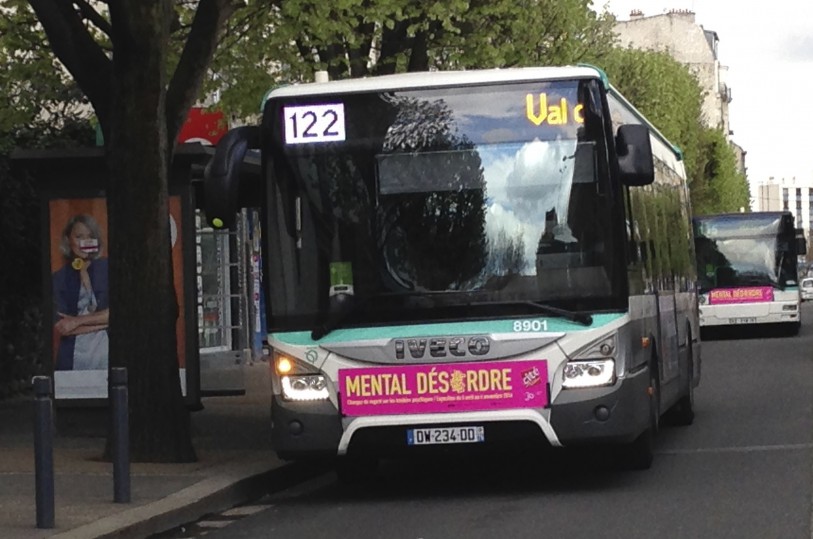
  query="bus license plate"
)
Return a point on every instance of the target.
[
  {"x": 446, "y": 435},
  {"x": 748, "y": 320}
]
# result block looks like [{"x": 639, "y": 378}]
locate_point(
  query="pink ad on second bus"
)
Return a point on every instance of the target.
[
  {"x": 454, "y": 387},
  {"x": 749, "y": 294}
]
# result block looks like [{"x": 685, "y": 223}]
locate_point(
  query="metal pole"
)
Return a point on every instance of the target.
[
  {"x": 121, "y": 434},
  {"x": 44, "y": 451}
]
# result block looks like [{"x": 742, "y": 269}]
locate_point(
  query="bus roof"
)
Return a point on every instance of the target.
[
  {"x": 433, "y": 79},
  {"x": 440, "y": 79},
  {"x": 744, "y": 215}
]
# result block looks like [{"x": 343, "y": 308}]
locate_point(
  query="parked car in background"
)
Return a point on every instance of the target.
[{"x": 807, "y": 288}]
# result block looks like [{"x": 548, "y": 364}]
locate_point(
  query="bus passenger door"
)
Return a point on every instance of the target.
[{"x": 668, "y": 341}]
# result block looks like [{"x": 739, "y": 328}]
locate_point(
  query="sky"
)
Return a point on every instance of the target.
[{"x": 768, "y": 49}]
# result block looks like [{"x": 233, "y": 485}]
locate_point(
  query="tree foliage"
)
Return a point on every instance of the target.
[
  {"x": 354, "y": 38},
  {"x": 287, "y": 43},
  {"x": 670, "y": 97},
  {"x": 725, "y": 187},
  {"x": 664, "y": 91},
  {"x": 41, "y": 109},
  {"x": 119, "y": 54}
]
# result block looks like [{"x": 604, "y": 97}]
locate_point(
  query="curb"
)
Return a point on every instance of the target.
[{"x": 231, "y": 486}]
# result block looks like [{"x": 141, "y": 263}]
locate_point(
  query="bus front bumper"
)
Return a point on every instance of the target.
[
  {"x": 615, "y": 414},
  {"x": 733, "y": 315}
]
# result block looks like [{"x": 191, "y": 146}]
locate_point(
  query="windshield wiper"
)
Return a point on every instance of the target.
[
  {"x": 349, "y": 308},
  {"x": 580, "y": 318},
  {"x": 584, "y": 319},
  {"x": 338, "y": 317}
]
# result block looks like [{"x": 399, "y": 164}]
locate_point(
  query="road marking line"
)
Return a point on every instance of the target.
[
  {"x": 811, "y": 520},
  {"x": 745, "y": 449},
  {"x": 245, "y": 510},
  {"x": 213, "y": 523}
]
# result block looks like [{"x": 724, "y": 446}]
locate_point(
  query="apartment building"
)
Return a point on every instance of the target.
[
  {"x": 678, "y": 34},
  {"x": 793, "y": 194}
]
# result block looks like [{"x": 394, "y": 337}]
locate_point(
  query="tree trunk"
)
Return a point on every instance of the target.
[
  {"x": 141, "y": 289},
  {"x": 419, "y": 54},
  {"x": 393, "y": 43}
]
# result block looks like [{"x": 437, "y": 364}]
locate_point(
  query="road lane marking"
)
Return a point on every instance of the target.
[
  {"x": 213, "y": 523},
  {"x": 742, "y": 449},
  {"x": 244, "y": 510}
]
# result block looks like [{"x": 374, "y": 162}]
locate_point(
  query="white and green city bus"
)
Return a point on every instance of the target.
[
  {"x": 462, "y": 260},
  {"x": 747, "y": 269}
]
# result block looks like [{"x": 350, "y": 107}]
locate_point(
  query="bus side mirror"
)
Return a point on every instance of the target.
[
  {"x": 634, "y": 151},
  {"x": 221, "y": 178}
]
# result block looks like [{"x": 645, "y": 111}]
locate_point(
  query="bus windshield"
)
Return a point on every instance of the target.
[
  {"x": 428, "y": 204},
  {"x": 745, "y": 250}
]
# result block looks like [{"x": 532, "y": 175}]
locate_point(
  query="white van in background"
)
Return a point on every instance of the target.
[{"x": 806, "y": 288}]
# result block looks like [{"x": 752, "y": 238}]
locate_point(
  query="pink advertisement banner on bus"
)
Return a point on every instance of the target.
[
  {"x": 454, "y": 387},
  {"x": 750, "y": 294}
]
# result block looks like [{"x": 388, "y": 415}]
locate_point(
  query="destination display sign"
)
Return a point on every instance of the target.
[
  {"x": 539, "y": 110},
  {"x": 482, "y": 115}
]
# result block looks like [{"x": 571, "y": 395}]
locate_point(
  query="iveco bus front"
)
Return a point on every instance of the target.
[
  {"x": 466, "y": 259},
  {"x": 747, "y": 265}
]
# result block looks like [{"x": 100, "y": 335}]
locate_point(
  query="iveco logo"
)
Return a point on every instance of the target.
[{"x": 442, "y": 347}]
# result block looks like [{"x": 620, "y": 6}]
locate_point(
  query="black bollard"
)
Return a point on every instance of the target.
[
  {"x": 121, "y": 434},
  {"x": 44, "y": 451}
]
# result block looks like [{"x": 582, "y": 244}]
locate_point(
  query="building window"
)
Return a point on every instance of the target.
[
  {"x": 785, "y": 199},
  {"x": 809, "y": 206}
]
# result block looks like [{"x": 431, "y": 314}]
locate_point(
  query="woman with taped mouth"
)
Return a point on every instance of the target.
[{"x": 81, "y": 297}]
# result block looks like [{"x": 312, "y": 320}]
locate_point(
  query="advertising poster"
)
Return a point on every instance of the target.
[
  {"x": 80, "y": 295},
  {"x": 448, "y": 387},
  {"x": 748, "y": 294}
]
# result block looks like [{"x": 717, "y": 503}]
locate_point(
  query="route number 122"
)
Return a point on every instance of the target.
[{"x": 314, "y": 123}]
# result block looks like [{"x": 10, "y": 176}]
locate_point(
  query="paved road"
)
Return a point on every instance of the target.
[{"x": 743, "y": 470}]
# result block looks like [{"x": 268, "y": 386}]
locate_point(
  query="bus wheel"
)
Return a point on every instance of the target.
[
  {"x": 639, "y": 454},
  {"x": 682, "y": 414}
]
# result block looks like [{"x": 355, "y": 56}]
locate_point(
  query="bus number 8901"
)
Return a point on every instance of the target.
[{"x": 530, "y": 325}]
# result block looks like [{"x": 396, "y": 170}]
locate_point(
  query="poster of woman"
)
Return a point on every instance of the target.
[{"x": 80, "y": 295}]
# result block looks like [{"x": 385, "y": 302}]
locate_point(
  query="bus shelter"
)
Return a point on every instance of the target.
[{"x": 216, "y": 275}]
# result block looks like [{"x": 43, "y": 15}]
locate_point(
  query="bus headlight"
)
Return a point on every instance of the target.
[
  {"x": 298, "y": 380},
  {"x": 304, "y": 387},
  {"x": 589, "y": 373}
]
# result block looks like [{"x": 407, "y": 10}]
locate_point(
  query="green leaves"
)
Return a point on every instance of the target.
[
  {"x": 39, "y": 95},
  {"x": 671, "y": 98},
  {"x": 723, "y": 187},
  {"x": 285, "y": 42},
  {"x": 41, "y": 108}
]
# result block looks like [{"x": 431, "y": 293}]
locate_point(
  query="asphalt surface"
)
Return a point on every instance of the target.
[{"x": 743, "y": 470}]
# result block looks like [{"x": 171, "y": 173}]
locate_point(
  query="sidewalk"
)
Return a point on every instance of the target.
[{"x": 235, "y": 464}]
